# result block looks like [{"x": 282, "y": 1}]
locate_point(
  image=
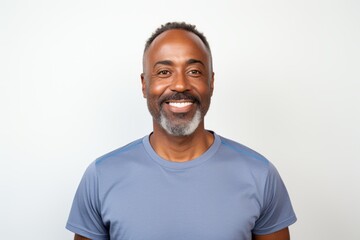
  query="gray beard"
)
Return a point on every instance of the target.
[{"x": 179, "y": 130}]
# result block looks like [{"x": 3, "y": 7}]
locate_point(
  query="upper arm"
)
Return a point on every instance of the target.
[
  {"x": 85, "y": 217},
  {"x": 279, "y": 235},
  {"x": 78, "y": 237},
  {"x": 276, "y": 211}
]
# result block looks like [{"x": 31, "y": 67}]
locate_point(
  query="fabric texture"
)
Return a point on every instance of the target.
[{"x": 227, "y": 193}]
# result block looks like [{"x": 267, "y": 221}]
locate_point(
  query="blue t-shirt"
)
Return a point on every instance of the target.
[{"x": 227, "y": 193}]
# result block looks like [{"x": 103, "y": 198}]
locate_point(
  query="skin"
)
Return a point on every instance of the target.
[
  {"x": 78, "y": 237},
  {"x": 279, "y": 235},
  {"x": 178, "y": 62}
]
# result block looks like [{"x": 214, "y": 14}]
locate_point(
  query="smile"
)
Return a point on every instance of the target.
[{"x": 180, "y": 104}]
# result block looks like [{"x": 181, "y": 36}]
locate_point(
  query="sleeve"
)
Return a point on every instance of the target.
[
  {"x": 85, "y": 215},
  {"x": 276, "y": 212}
]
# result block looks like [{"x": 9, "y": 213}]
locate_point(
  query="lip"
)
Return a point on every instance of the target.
[{"x": 180, "y": 106}]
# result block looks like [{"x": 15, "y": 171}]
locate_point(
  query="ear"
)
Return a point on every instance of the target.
[
  {"x": 212, "y": 83},
  {"x": 143, "y": 84}
]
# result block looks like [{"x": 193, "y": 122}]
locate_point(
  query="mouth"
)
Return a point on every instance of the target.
[
  {"x": 180, "y": 103},
  {"x": 179, "y": 106}
]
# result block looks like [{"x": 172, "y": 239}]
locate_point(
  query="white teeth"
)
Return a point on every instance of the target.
[{"x": 179, "y": 104}]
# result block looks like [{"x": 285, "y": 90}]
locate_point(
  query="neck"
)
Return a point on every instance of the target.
[{"x": 180, "y": 148}]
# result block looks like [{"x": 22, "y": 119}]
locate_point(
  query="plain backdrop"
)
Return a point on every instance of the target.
[{"x": 287, "y": 85}]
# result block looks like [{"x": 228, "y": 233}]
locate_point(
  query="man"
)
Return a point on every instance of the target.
[{"x": 182, "y": 181}]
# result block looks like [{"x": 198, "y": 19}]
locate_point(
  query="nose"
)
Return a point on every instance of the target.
[{"x": 180, "y": 83}]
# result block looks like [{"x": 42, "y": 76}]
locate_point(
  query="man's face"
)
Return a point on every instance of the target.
[{"x": 177, "y": 81}]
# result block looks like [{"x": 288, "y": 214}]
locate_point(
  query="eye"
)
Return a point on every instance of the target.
[
  {"x": 163, "y": 72},
  {"x": 194, "y": 72}
]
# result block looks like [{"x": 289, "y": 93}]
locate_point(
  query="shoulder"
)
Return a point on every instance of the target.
[
  {"x": 119, "y": 153},
  {"x": 118, "y": 163},
  {"x": 240, "y": 151},
  {"x": 243, "y": 162}
]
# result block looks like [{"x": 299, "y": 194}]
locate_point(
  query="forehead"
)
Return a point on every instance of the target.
[{"x": 176, "y": 42}]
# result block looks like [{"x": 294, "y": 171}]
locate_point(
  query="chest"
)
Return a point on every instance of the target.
[{"x": 181, "y": 205}]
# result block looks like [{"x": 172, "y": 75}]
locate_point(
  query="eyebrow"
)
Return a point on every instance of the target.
[
  {"x": 193, "y": 61},
  {"x": 164, "y": 62},
  {"x": 170, "y": 63}
]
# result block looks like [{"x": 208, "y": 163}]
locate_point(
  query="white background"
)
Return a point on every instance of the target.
[{"x": 287, "y": 85}]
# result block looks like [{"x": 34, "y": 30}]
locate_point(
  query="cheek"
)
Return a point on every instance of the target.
[
  {"x": 156, "y": 89},
  {"x": 204, "y": 90}
]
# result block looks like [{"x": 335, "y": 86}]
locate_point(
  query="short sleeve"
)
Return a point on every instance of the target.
[
  {"x": 276, "y": 212},
  {"x": 85, "y": 215}
]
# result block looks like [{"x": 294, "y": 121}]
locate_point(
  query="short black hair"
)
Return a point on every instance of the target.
[
  {"x": 177, "y": 25},
  {"x": 181, "y": 26}
]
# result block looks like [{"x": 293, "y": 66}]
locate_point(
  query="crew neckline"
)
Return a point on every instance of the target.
[{"x": 182, "y": 165}]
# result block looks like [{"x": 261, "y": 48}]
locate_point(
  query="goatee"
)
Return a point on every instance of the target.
[{"x": 180, "y": 129}]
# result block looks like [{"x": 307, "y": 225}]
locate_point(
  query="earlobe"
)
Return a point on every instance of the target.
[{"x": 143, "y": 84}]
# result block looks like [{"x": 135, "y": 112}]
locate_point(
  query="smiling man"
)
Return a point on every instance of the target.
[{"x": 181, "y": 181}]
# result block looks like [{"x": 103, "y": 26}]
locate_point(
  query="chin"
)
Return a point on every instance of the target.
[{"x": 181, "y": 130}]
